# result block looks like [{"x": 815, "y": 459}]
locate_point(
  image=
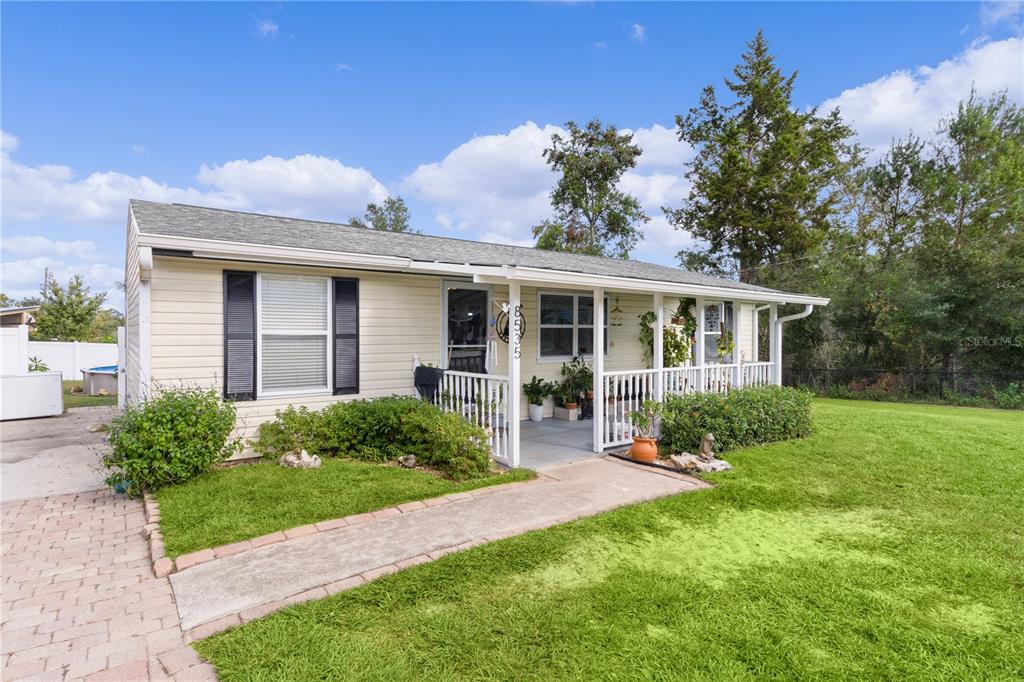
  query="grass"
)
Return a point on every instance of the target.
[
  {"x": 888, "y": 545},
  {"x": 82, "y": 400},
  {"x": 238, "y": 503}
]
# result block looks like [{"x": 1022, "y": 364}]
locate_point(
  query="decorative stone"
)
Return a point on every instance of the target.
[
  {"x": 409, "y": 461},
  {"x": 705, "y": 459},
  {"x": 163, "y": 567},
  {"x": 299, "y": 459},
  {"x": 688, "y": 462}
]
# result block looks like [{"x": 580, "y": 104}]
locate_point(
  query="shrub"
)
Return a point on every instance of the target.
[
  {"x": 381, "y": 430},
  {"x": 169, "y": 439},
  {"x": 740, "y": 418},
  {"x": 1010, "y": 398},
  {"x": 292, "y": 429}
]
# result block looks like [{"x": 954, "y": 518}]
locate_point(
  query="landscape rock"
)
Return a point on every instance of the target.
[
  {"x": 409, "y": 461},
  {"x": 300, "y": 460},
  {"x": 688, "y": 462}
]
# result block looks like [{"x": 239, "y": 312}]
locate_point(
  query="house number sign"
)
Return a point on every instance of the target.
[{"x": 518, "y": 328}]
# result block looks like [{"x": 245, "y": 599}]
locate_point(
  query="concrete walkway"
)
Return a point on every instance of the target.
[
  {"x": 260, "y": 580},
  {"x": 52, "y": 455}
]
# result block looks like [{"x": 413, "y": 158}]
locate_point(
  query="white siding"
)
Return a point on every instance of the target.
[{"x": 131, "y": 313}]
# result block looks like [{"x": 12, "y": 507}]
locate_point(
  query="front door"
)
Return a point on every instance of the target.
[{"x": 467, "y": 329}]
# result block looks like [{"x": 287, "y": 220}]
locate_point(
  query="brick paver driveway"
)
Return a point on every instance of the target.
[{"x": 79, "y": 597}]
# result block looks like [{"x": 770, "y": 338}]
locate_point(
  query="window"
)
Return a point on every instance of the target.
[
  {"x": 294, "y": 327},
  {"x": 566, "y": 323}
]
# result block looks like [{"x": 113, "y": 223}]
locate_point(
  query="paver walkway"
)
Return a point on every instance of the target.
[
  {"x": 79, "y": 599},
  {"x": 220, "y": 589}
]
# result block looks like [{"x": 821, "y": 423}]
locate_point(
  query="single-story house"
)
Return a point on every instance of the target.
[{"x": 277, "y": 311}]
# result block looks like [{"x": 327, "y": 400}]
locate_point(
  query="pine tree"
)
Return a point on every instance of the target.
[
  {"x": 763, "y": 174},
  {"x": 390, "y": 216}
]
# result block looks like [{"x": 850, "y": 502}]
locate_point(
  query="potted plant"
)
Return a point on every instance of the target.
[
  {"x": 569, "y": 395},
  {"x": 537, "y": 390},
  {"x": 646, "y": 421}
]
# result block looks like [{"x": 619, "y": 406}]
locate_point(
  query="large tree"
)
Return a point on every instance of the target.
[
  {"x": 762, "y": 180},
  {"x": 591, "y": 214},
  {"x": 67, "y": 313},
  {"x": 390, "y": 216}
]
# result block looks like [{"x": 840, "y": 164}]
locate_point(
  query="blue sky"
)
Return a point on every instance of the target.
[{"x": 314, "y": 109}]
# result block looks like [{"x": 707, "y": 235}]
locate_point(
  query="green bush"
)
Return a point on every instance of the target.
[
  {"x": 381, "y": 430},
  {"x": 1010, "y": 398},
  {"x": 740, "y": 418},
  {"x": 169, "y": 439}
]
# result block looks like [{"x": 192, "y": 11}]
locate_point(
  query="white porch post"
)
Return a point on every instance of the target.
[
  {"x": 699, "y": 350},
  {"x": 599, "y": 401},
  {"x": 658, "y": 359},
  {"x": 737, "y": 357},
  {"x": 775, "y": 343},
  {"x": 515, "y": 388}
]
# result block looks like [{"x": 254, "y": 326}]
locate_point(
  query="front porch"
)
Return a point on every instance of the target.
[{"x": 493, "y": 399}]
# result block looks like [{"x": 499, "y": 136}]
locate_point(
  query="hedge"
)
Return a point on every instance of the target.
[
  {"x": 381, "y": 430},
  {"x": 739, "y": 418}
]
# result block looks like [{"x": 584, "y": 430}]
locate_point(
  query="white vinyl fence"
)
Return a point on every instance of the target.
[{"x": 71, "y": 357}]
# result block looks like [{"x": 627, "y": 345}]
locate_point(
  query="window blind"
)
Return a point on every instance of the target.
[{"x": 293, "y": 333}]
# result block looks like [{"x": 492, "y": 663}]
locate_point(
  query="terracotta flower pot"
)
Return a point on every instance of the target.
[
  {"x": 644, "y": 449},
  {"x": 569, "y": 406}
]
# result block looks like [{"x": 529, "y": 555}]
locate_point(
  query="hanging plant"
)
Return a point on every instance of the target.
[
  {"x": 676, "y": 341},
  {"x": 726, "y": 344}
]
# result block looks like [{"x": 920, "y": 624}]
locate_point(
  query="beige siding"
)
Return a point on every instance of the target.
[
  {"x": 131, "y": 313},
  {"x": 399, "y": 319}
]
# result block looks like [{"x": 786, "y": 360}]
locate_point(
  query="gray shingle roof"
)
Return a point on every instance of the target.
[{"x": 199, "y": 222}]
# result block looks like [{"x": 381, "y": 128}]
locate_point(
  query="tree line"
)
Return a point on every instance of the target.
[{"x": 919, "y": 249}]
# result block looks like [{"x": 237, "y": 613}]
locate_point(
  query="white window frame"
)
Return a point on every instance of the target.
[
  {"x": 464, "y": 284},
  {"x": 328, "y": 390},
  {"x": 575, "y": 324}
]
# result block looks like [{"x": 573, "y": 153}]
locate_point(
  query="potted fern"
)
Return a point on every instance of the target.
[
  {"x": 537, "y": 390},
  {"x": 646, "y": 421}
]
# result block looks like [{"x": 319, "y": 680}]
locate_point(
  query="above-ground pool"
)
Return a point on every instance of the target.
[{"x": 100, "y": 380}]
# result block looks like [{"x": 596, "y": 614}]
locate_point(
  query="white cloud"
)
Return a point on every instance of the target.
[
  {"x": 139, "y": 148},
  {"x": 342, "y": 67},
  {"x": 38, "y": 245},
  {"x": 496, "y": 187},
  {"x": 638, "y": 33},
  {"x": 600, "y": 45},
  {"x": 304, "y": 186},
  {"x": 21, "y": 278},
  {"x": 916, "y": 100},
  {"x": 493, "y": 183},
  {"x": 8, "y": 142},
  {"x": 995, "y": 13},
  {"x": 266, "y": 28},
  {"x": 662, "y": 147}
]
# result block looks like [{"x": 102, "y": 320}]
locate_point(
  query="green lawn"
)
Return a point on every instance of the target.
[
  {"x": 82, "y": 400},
  {"x": 889, "y": 545},
  {"x": 244, "y": 502}
]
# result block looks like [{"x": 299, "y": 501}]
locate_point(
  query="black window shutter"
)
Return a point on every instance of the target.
[
  {"x": 239, "y": 335},
  {"x": 346, "y": 336}
]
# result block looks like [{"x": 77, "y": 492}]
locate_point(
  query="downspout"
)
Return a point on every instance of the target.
[{"x": 777, "y": 347}]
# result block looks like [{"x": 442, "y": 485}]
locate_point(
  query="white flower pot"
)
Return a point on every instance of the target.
[{"x": 536, "y": 413}]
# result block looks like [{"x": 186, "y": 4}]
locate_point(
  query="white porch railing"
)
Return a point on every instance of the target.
[
  {"x": 756, "y": 373},
  {"x": 482, "y": 399},
  {"x": 625, "y": 390}
]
